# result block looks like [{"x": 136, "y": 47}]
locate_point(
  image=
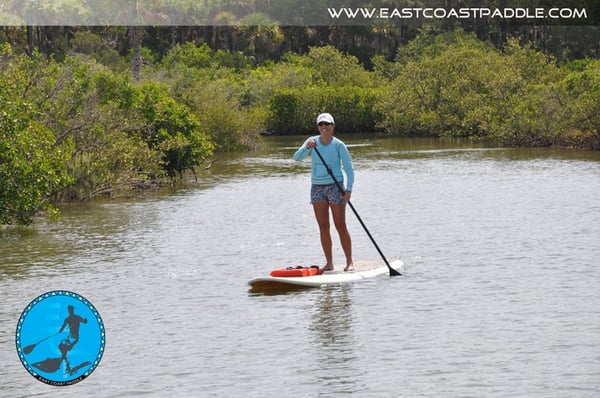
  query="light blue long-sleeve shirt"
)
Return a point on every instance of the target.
[{"x": 336, "y": 155}]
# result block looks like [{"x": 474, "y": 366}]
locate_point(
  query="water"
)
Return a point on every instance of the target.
[{"x": 499, "y": 295}]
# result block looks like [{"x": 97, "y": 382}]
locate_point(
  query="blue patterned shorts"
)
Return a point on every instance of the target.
[{"x": 326, "y": 193}]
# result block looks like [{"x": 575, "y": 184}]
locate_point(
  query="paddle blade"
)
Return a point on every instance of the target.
[
  {"x": 28, "y": 349},
  {"x": 393, "y": 272},
  {"x": 49, "y": 365}
]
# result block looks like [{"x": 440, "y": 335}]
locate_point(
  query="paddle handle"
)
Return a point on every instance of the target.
[{"x": 393, "y": 272}]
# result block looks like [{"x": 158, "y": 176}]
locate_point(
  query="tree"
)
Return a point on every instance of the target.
[
  {"x": 262, "y": 39},
  {"x": 172, "y": 130},
  {"x": 457, "y": 85},
  {"x": 31, "y": 165},
  {"x": 578, "y": 106}
]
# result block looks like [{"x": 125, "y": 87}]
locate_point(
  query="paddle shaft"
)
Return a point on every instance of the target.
[
  {"x": 30, "y": 347},
  {"x": 393, "y": 272}
]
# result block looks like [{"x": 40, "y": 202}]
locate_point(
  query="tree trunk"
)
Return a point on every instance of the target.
[{"x": 136, "y": 34}]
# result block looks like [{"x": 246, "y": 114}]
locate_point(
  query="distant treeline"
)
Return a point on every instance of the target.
[
  {"x": 267, "y": 30},
  {"x": 80, "y": 125}
]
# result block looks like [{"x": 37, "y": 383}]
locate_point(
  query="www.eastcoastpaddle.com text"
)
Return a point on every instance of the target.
[{"x": 460, "y": 13}]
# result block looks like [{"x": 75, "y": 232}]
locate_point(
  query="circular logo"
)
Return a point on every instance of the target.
[{"x": 60, "y": 338}]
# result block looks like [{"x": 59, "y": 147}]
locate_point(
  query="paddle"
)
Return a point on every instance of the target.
[
  {"x": 30, "y": 347},
  {"x": 393, "y": 272}
]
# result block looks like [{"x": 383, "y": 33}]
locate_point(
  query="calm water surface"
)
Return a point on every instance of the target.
[{"x": 499, "y": 295}]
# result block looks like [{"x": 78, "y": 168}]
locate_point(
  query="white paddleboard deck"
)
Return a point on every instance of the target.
[{"x": 363, "y": 270}]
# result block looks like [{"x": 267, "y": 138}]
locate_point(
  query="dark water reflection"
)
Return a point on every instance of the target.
[{"x": 332, "y": 325}]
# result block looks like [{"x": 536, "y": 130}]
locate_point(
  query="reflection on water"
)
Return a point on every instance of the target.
[{"x": 332, "y": 325}]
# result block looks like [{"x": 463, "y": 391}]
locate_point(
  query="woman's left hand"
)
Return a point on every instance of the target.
[{"x": 347, "y": 195}]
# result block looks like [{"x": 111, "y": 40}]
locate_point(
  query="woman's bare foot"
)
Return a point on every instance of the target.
[
  {"x": 328, "y": 267},
  {"x": 349, "y": 268}
]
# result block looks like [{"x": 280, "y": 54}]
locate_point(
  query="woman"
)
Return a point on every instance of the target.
[{"x": 325, "y": 193}]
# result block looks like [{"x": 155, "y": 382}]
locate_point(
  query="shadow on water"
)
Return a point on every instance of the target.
[{"x": 278, "y": 289}]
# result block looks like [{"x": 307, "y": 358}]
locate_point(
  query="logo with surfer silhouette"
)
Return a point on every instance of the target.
[{"x": 60, "y": 338}]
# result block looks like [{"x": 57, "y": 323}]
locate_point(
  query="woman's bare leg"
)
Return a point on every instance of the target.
[
  {"x": 339, "y": 219},
  {"x": 322, "y": 215}
]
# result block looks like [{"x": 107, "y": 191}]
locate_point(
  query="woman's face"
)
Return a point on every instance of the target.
[{"x": 326, "y": 128}]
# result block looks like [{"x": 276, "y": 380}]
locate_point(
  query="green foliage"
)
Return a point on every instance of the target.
[
  {"x": 531, "y": 65},
  {"x": 219, "y": 99},
  {"x": 456, "y": 85},
  {"x": 78, "y": 127},
  {"x": 96, "y": 47},
  {"x": 261, "y": 38},
  {"x": 294, "y": 111},
  {"x": 202, "y": 57},
  {"x": 325, "y": 80},
  {"x": 189, "y": 55},
  {"x": 171, "y": 129},
  {"x": 263, "y": 82},
  {"x": 557, "y": 106},
  {"x": 287, "y": 110},
  {"x": 230, "y": 129},
  {"x": 430, "y": 45},
  {"x": 577, "y": 115},
  {"x": 31, "y": 166},
  {"x": 453, "y": 88},
  {"x": 91, "y": 109},
  {"x": 331, "y": 66}
]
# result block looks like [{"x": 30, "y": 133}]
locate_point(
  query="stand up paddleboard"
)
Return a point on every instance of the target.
[{"x": 307, "y": 277}]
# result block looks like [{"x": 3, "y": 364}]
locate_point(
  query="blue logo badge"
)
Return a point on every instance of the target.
[{"x": 60, "y": 338}]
